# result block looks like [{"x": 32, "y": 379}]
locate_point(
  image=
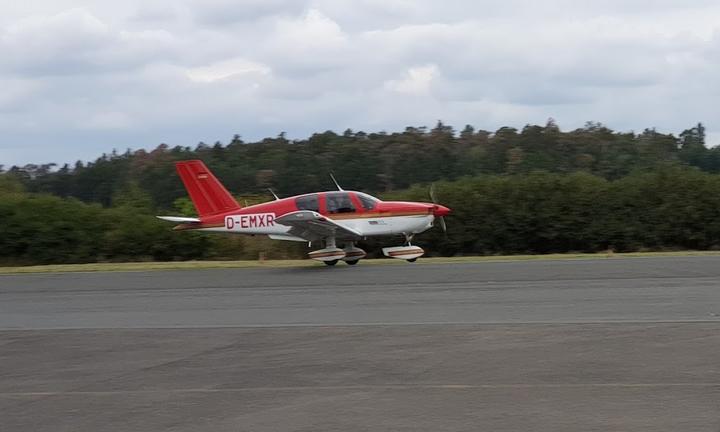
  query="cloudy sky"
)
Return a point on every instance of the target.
[{"x": 79, "y": 78}]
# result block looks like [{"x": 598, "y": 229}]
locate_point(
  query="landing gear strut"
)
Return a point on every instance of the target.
[
  {"x": 353, "y": 254},
  {"x": 408, "y": 243},
  {"x": 408, "y": 239}
]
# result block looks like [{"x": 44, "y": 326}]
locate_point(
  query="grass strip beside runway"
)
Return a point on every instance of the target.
[{"x": 199, "y": 265}]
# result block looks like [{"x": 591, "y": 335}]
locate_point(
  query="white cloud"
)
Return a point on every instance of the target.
[
  {"x": 73, "y": 25},
  {"x": 106, "y": 120},
  {"x": 51, "y": 43},
  {"x": 227, "y": 69},
  {"x": 77, "y": 42},
  {"x": 16, "y": 92},
  {"x": 303, "y": 45},
  {"x": 81, "y": 75},
  {"x": 313, "y": 32},
  {"x": 417, "y": 80}
]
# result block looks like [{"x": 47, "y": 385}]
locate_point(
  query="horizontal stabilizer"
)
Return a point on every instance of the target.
[
  {"x": 286, "y": 238},
  {"x": 179, "y": 219}
]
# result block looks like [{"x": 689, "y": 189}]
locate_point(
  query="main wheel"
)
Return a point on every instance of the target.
[
  {"x": 352, "y": 262},
  {"x": 412, "y": 260},
  {"x": 330, "y": 263}
]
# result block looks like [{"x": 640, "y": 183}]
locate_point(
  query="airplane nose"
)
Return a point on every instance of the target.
[{"x": 440, "y": 210}]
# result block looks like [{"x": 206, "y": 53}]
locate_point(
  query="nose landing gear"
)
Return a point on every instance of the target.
[{"x": 408, "y": 252}]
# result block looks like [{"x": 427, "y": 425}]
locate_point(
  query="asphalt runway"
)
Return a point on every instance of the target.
[{"x": 618, "y": 344}]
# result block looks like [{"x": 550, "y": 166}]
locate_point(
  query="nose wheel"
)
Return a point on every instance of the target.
[{"x": 408, "y": 244}]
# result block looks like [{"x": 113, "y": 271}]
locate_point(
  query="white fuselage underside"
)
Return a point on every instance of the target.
[{"x": 263, "y": 224}]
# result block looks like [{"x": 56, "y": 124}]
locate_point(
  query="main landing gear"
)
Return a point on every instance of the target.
[{"x": 331, "y": 254}]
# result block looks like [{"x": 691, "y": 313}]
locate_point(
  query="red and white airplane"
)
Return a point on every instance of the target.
[{"x": 331, "y": 218}]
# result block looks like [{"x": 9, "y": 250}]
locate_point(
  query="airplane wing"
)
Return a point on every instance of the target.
[{"x": 312, "y": 226}]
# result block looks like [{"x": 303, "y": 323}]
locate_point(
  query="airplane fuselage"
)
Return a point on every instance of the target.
[{"x": 355, "y": 210}]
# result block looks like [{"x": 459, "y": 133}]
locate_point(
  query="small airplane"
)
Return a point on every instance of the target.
[{"x": 330, "y": 218}]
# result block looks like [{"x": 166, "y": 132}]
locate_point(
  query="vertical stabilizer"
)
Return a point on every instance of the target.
[{"x": 207, "y": 194}]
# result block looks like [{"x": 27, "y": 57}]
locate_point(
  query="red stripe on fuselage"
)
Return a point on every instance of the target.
[{"x": 287, "y": 205}]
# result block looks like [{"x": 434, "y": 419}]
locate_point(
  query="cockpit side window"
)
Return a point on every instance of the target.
[
  {"x": 339, "y": 202},
  {"x": 308, "y": 202},
  {"x": 368, "y": 202}
]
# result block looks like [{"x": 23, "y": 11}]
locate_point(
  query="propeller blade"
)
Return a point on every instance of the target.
[{"x": 433, "y": 197}]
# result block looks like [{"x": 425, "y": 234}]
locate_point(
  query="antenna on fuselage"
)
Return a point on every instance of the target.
[
  {"x": 273, "y": 194},
  {"x": 336, "y": 183}
]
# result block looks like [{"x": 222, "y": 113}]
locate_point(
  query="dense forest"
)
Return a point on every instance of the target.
[{"x": 535, "y": 190}]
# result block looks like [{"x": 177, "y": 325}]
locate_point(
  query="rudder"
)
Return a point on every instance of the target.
[{"x": 208, "y": 195}]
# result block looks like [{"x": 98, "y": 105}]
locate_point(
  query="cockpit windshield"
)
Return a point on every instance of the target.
[
  {"x": 339, "y": 202},
  {"x": 368, "y": 202},
  {"x": 308, "y": 202}
]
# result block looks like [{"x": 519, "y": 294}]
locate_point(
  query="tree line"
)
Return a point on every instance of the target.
[{"x": 535, "y": 190}]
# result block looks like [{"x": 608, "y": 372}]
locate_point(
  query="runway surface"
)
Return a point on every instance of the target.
[{"x": 619, "y": 344}]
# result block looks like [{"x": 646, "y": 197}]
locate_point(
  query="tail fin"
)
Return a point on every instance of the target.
[{"x": 207, "y": 194}]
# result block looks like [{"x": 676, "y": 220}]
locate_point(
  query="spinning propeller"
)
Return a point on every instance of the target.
[{"x": 440, "y": 211}]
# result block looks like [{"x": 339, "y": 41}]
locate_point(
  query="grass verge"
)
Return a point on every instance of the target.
[{"x": 196, "y": 265}]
